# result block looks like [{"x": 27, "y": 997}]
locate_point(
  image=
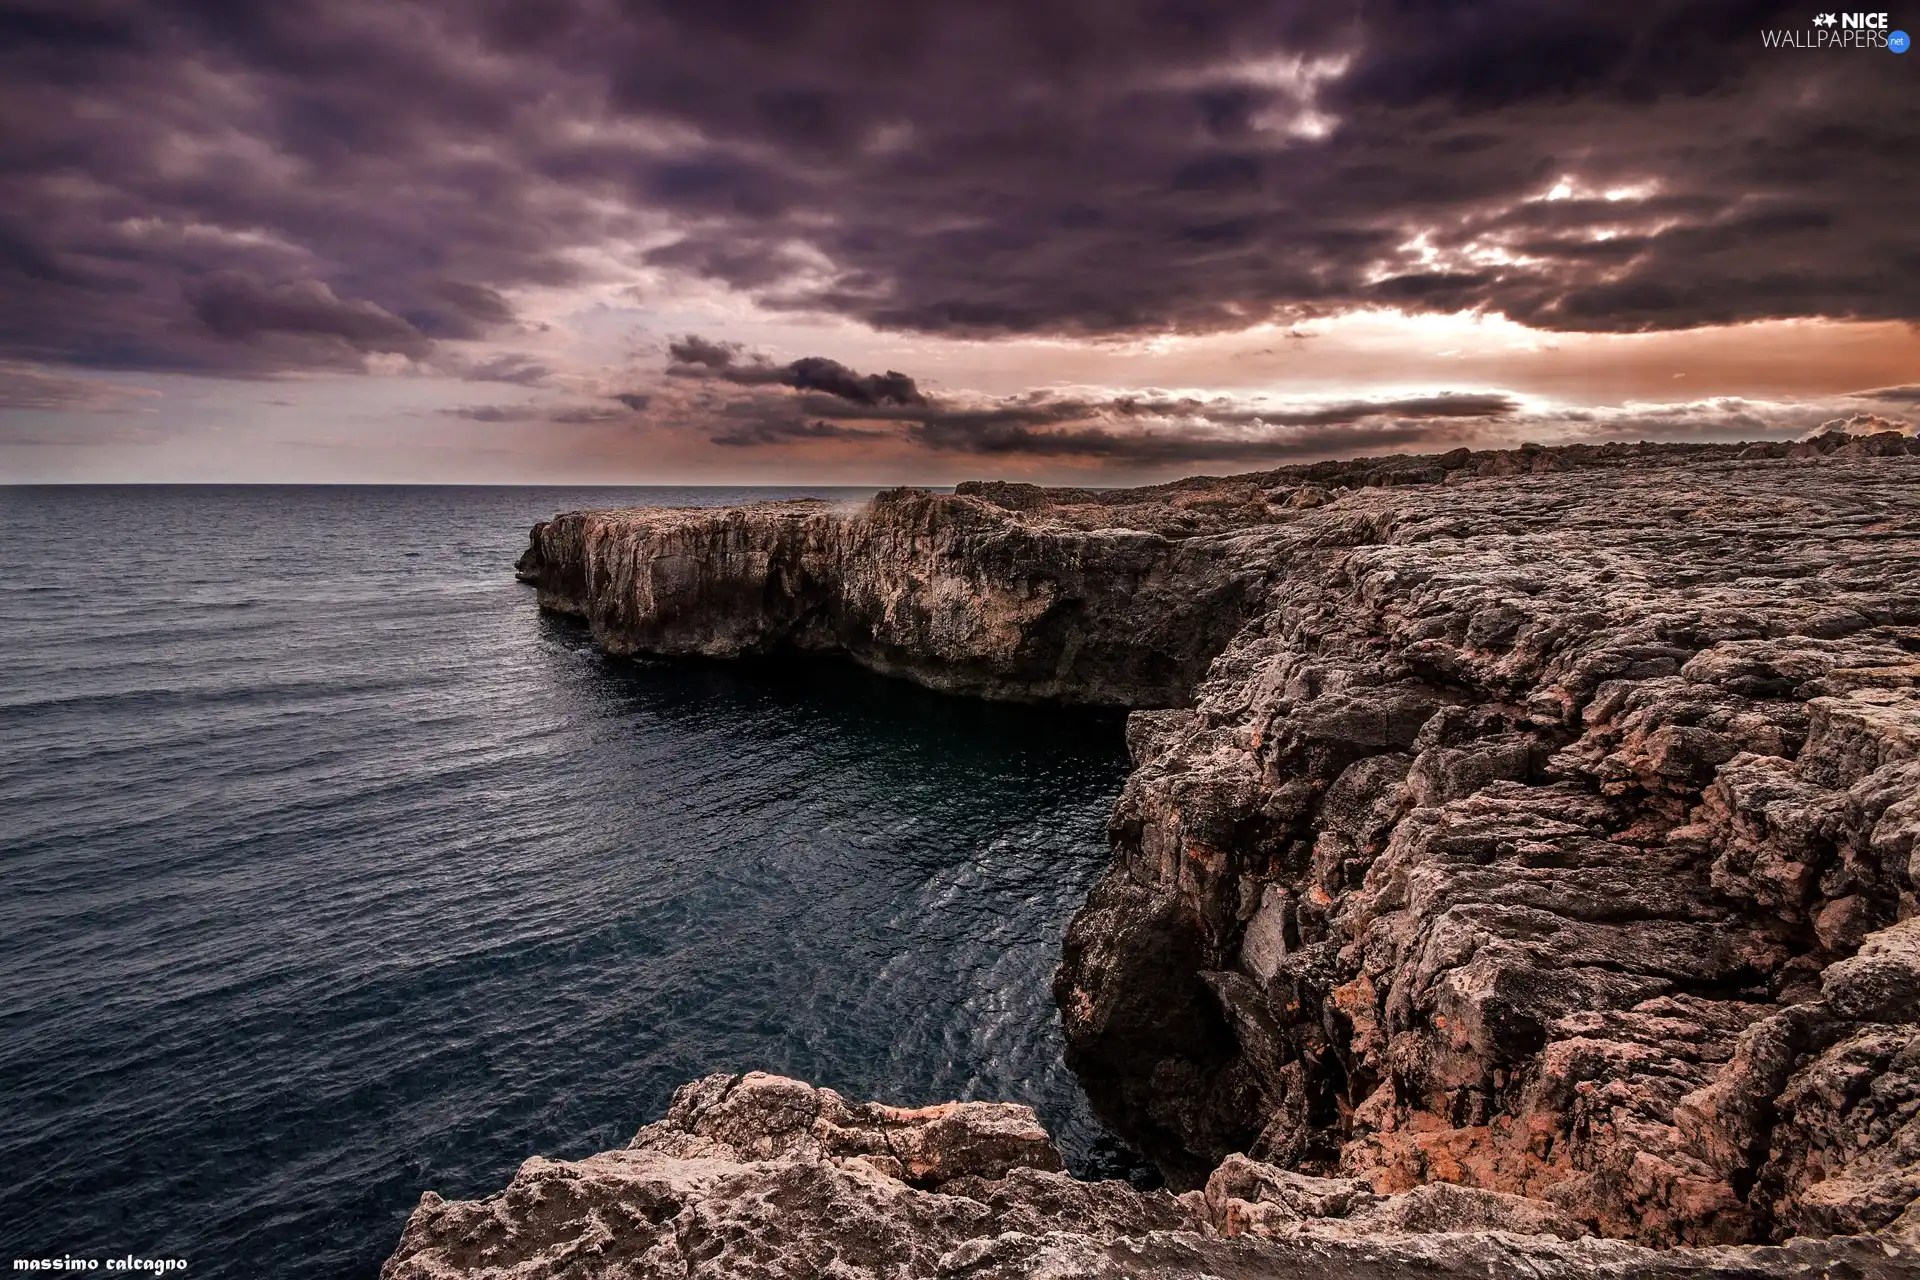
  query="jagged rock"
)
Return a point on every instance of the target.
[
  {"x": 1512, "y": 821},
  {"x": 1821, "y": 1101},
  {"x": 1245, "y": 1197},
  {"x": 1563, "y": 784},
  {"x": 761, "y": 1176},
  {"x": 763, "y": 1117}
]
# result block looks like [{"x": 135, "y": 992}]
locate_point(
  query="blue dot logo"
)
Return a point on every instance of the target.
[{"x": 1898, "y": 41}]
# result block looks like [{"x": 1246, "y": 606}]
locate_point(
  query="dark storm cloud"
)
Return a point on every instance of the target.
[
  {"x": 1039, "y": 409},
  {"x": 987, "y": 167},
  {"x": 785, "y": 431},
  {"x": 696, "y": 352},
  {"x": 817, "y": 373},
  {"x": 696, "y": 357},
  {"x": 1222, "y": 439},
  {"x": 1169, "y": 448},
  {"x": 1146, "y": 429},
  {"x": 240, "y": 308},
  {"x": 458, "y": 309},
  {"x": 754, "y": 420},
  {"x": 1184, "y": 431},
  {"x": 475, "y": 301}
]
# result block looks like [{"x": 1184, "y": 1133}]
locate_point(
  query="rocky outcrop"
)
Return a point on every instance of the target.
[
  {"x": 959, "y": 594},
  {"x": 1119, "y": 597},
  {"x": 1540, "y": 823},
  {"x": 761, "y": 1176},
  {"x": 1532, "y": 844}
]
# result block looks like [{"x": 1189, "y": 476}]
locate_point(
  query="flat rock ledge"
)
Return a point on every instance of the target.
[
  {"x": 762, "y": 1176},
  {"x": 1544, "y": 823}
]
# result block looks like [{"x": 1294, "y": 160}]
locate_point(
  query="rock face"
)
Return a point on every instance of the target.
[
  {"x": 761, "y": 1176},
  {"x": 962, "y": 595},
  {"x": 1524, "y": 844},
  {"x": 1540, "y": 823}
]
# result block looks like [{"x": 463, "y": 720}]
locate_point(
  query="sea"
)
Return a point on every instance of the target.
[{"x": 332, "y": 871}]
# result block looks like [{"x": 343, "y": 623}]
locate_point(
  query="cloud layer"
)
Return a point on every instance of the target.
[
  {"x": 198, "y": 185},
  {"x": 744, "y": 401}
]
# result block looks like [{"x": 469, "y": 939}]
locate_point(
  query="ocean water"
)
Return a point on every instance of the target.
[{"x": 331, "y": 871}]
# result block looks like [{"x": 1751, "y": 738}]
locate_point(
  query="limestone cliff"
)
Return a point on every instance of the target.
[
  {"x": 1541, "y": 823},
  {"x": 959, "y": 594}
]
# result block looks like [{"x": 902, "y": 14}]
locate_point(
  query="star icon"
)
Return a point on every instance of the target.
[{"x": 1824, "y": 20}]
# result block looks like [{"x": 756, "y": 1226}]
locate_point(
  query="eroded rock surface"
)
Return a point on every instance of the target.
[
  {"x": 959, "y": 594},
  {"x": 1534, "y": 843},
  {"x": 1540, "y": 823},
  {"x": 761, "y": 1176}
]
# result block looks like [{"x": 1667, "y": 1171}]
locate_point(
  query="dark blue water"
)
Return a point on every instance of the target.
[{"x": 331, "y": 871}]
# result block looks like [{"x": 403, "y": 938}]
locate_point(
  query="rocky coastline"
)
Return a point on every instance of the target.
[{"x": 1517, "y": 870}]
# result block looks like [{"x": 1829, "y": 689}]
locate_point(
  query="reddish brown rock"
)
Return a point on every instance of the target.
[{"x": 1490, "y": 841}]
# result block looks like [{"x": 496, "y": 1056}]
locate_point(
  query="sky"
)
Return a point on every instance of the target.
[{"x": 877, "y": 242}]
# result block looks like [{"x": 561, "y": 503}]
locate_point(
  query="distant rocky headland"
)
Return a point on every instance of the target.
[{"x": 1517, "y": 874}]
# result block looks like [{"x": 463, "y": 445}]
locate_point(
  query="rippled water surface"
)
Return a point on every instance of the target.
[{"x": 331, "y": 871}]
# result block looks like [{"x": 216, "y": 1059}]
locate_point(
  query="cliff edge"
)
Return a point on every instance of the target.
[
  {"x": 1540, "y": 823},
  {"x": 958, "y": 593}
]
